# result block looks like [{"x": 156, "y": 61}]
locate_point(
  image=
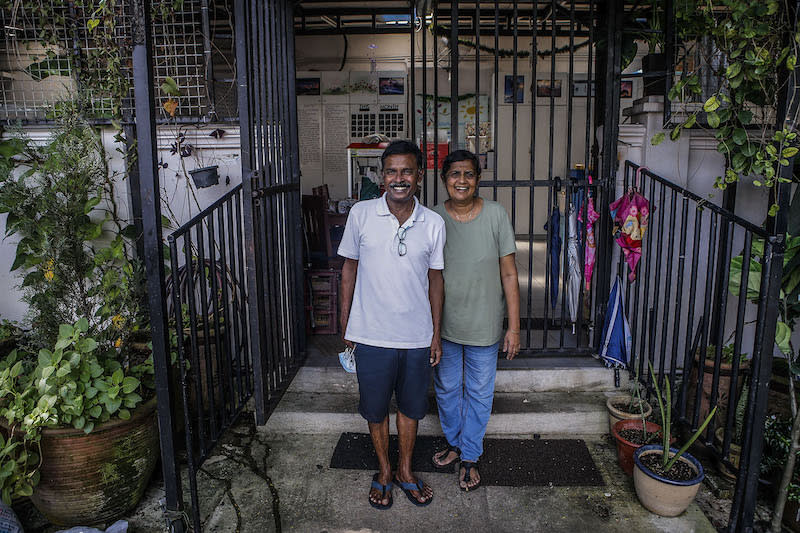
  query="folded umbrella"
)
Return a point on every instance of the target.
[
  {"x": 554, "y": 225},
  {"x": 573, "y": 266},
  {"x": 630, "y": 213},
  {"x": 615, "y": 347}
]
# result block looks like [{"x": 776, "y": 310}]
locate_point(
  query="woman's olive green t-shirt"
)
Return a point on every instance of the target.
[{"x": 474, "y": 304}]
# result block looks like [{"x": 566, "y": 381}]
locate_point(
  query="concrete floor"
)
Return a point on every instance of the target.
[{"x": 275, "y": 479}]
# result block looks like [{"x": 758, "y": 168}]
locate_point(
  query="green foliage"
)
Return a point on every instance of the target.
[
  {"x": 665, "y": 410},
  {"x": 71, "y": 256},
  {"x": 74, "y": 384},
  {"x": 727, "y": 354},
  {"x": 749, "y": 57}
]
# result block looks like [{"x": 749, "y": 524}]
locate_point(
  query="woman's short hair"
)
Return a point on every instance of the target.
[
  {"x": 460, "y": 155},
  {"x": 403, "y": 147}
]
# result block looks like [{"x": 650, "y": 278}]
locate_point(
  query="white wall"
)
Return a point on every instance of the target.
[{"x": 174, "y": 189}]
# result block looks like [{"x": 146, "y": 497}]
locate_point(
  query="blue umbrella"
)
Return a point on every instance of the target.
[
  {"x": 555, "y": 254},
  {"x": 615, "y": 349}
]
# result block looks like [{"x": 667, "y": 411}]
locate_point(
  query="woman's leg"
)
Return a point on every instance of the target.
[
  {"x": 448, "y": 384},
  {"x": 480, "y": 369}
]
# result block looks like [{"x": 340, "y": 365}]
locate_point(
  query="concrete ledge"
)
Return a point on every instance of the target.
[
  {"x": 551, "y": 413},
  {"x": 595, "y": 378}
]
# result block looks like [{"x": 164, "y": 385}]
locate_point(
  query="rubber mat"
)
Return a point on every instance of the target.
[{"x": 505, "y": 462}]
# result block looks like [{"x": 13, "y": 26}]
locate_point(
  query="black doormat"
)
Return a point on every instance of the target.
[{"x": 505, "y": 462}]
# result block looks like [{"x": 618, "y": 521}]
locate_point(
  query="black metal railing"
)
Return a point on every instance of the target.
[
  {"x": 207, "y": 309},
  {"x": 698, "y": 312}
]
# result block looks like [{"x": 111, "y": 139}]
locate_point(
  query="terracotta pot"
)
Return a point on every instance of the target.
[
  {"x": 791, "y": 516},
  {"x": 615, "y": 413},
  {"x": 660, "y": 495},
  {"x": 88, "y": 479},
  {"x": 722, "y": 388},
  {"x": 625, "y": 448},
  {"x": 734, "y": 454}
]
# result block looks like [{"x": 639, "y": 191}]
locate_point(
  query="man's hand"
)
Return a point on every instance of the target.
[
  {"x": 347, "y": 343},
  {"x": 436, "y": 350}
]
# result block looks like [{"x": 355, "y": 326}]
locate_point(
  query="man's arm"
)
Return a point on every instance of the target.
[
  {"x": 436, "y": 297},
  {"x": 346, "y": 289}
]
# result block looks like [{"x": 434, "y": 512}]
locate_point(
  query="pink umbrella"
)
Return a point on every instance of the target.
[
  {"x": 589, "y": 252},
  {"x": 630, "y": 213}
]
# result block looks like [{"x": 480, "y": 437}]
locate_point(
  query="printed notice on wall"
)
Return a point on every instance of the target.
[
  {"x": 309, "y": 127},
  {"x": 335, "y": 138}
]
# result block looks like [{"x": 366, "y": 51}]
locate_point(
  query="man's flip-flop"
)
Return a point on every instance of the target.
[
  {"x": 468, "y": 466},
  {"x": 385, "y": 489},
  {"x": 408, "y": 487}
]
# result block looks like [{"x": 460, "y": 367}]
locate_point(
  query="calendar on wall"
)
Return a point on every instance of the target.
[
  {"x": 391, "y": 121},
  {"x": 363, "y": 121}
]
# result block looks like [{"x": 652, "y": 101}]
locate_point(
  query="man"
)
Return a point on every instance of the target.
[{"x": 392, "y": 292}]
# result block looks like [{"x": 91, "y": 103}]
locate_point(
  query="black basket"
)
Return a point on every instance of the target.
[{"x": 204, "y": 177}]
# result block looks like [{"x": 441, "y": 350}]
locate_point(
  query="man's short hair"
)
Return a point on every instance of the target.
[{"x": 403, "y": 147}]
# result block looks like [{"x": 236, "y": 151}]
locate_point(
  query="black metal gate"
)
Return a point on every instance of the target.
[
  {"x": 532, "y": 126},
  {"x": 232, "y": 321}
]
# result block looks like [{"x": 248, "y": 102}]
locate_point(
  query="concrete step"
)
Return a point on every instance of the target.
[
  {"x": 561, "y": 375},
  {"x": 544, "y": 413}
]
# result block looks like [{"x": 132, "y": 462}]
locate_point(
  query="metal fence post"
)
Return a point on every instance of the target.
[
  {"x": 149, "y": 193},
  {"x": 608, "y": 163}
]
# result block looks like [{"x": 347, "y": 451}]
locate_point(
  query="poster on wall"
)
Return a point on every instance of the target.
[
  {"x": 467, "y": 111},
  {"x": 509, "y": 86},
  {"x": 307, "y": 86},
  {"x": 547, "y": 88}
]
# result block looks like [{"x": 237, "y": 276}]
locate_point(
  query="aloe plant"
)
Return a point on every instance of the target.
[{"x": 666, "y": 423}]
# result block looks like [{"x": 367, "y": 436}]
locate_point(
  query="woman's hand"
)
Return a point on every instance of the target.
[{"x": 511, "y": 343}]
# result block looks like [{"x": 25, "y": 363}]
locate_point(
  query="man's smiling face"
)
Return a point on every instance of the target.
[{"x": 400, "y": 177}]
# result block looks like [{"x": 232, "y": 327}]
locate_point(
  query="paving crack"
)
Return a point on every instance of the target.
[
  {"x": 247, "y": 460},
  {"x": 229, "y": 492}
]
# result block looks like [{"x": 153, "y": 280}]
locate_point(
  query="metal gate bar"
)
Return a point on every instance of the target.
[{"x": 548, "y": 328}]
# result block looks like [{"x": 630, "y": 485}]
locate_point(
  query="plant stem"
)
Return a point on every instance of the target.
[{"x": 788, "y": 469}]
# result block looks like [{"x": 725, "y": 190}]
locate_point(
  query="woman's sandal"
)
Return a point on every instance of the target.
[
  {"x": 468, "y": 466},
  {"x": 445, "y": 453}
]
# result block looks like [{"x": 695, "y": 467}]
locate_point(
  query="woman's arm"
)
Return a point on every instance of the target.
[{"x": 508, "y": 276}]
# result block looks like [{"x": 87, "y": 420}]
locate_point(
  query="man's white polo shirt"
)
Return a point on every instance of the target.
[{"x": 390, "y": 305}]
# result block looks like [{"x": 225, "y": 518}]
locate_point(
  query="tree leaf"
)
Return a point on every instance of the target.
[
  {"x": 783, "y": 335},
  {"x": 129, "y": 384},
  {"x": 657, "y": 139},
  {"x": 712, "y": 104},
  {"x": 745, "y": 116},
  {"x": 713, "y": 119}
]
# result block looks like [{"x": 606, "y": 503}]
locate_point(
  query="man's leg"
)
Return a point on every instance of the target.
[
  {"x": 413, "y": 379},
  {"x": 407, "y": 436},
  {"x": 376, "y": 369},
  {"x": 380, "y": 440}
]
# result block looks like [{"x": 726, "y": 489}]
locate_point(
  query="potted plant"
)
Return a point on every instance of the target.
[
  {"x": 76, "y": 417},
  {"x": 667, "y": 479},
  {"x": 735, "y": 450},
  {"x": 627, "y": 406},
  {"x": 723, "y": 382},
  {"x": 76, "y": 376}
]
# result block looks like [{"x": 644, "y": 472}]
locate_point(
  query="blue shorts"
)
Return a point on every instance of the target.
[{"x": 383, "y": 371}]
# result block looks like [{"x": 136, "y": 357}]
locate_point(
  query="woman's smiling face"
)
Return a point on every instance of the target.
[{"x": 461, "y": 181}]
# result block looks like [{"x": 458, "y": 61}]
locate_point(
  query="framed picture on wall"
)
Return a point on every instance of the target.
[
  {"x": 626, "y": 89},
  {"x": 581, "y": 88},
  {"x": 547, "y": 88},
  {"x": 508, "y": 93},
  {"x": 387, "y": 86},
  {"x": 307, "y": 86}
]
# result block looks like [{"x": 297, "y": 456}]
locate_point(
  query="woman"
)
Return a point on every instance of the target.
[{"x": 480, "y": 287}]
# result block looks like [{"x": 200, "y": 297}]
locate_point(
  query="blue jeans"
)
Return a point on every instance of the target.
[{"x": 464, "y": 383}]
